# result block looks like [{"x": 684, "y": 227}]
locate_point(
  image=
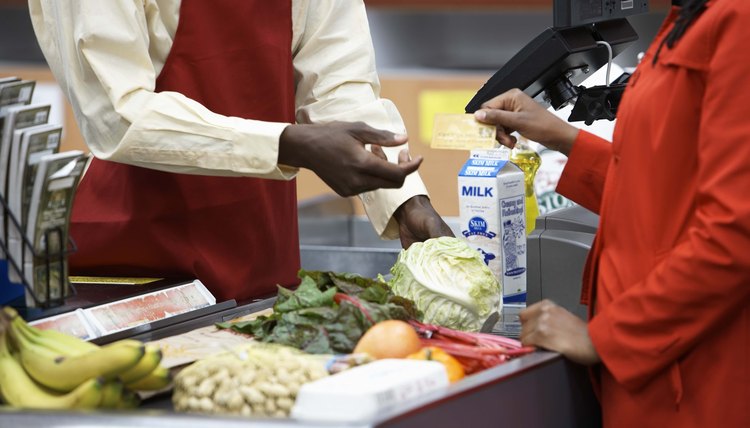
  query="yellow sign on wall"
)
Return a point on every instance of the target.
[{"x": 432, "y": 102}]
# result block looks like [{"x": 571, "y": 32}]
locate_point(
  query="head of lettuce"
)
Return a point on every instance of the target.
[{"x": 449, "y": 283}]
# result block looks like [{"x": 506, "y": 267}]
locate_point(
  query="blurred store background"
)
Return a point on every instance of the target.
[{"x": 433, "y": 55}]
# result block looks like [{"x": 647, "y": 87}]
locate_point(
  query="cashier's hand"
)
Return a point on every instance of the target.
[
  {"x": 547, "y": 325},
  {"x": 418, "y": 221},
  {"x": 514, "y": 111},
  {"x": 336, "y": 153}
]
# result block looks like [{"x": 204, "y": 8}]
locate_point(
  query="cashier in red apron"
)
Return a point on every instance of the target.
[
  {"x": 200, "y": 114},
  {"x": 668, "y": 276}
]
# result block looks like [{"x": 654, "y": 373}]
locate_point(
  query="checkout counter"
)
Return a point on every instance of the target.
[
  {"x": 538, "y": 390},
  {"x": 541, "y": 389}
]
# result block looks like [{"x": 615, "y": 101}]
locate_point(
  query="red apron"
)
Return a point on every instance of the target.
[{"x": 237, "y": 235}]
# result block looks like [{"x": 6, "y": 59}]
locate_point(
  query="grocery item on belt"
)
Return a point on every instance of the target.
[
  {"x": 529, "y": 161},
  {"x": 475, "y": 351},
  {"x": 364, "y": 393},
  {"x": 389, "y": 339},
  {"x": 453, "y": 367},
  {"x": 46, "y": 369},
  {"x": 448, "y": 281},
  {"x": 492, "y": 209},
  {"x": 256, "y": 379}
]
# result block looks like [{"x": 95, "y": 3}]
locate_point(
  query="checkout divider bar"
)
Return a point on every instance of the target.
[{"x": 176, "y": 324}]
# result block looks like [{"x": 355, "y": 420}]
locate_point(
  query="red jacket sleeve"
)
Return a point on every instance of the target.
[
  {"x": 582, "y": 180},
  {"x": 705, "y": 280}
]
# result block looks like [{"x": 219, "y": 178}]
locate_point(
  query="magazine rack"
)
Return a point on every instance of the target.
[{"x": 58, "y": 258}]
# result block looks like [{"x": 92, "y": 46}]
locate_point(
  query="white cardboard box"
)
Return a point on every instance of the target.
[
  {"x": 492, "y": 212},
  {"x": 363, "y": 393}
]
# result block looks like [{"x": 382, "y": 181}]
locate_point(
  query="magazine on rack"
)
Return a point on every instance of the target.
[
  {"x": 56, "y": 179},
  {"x": 28, "y": 147},
  {"x": 13, "y": 92},
  {"x": 15, "y": 117},
  {"x": 16, "y": 91},
  {"x": 18, "y": 117}
]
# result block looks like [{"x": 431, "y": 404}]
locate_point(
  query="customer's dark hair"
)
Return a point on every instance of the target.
[{"x": 689, "y": 12}]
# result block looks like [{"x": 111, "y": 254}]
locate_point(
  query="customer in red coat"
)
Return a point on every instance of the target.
[{"x": 668, "y": 277}]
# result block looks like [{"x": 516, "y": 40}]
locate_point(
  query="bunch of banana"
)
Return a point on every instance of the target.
[{"x": 49, "y": 369}]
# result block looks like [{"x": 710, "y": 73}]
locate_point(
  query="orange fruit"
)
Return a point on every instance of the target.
[{"x": 389, "y": 339}]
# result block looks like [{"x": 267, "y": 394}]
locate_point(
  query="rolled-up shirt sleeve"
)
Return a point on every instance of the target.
[
  {"x": 337, "y": 81},
  {"x": 101, "y": 54}
]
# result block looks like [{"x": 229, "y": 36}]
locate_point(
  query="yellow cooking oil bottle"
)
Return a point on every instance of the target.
[{"x": 528, "y": 160}]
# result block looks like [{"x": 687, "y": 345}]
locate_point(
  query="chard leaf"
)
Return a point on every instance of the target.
[
  {"x": 258, "y": 327},
  {"x": 322, "y": 279},
  {"x": 349, "y": 326},
  {"x": 307, "y": 295},
  {"x": 408, "y": 306},
  {"x": 310, "y": 316},
  {"x": 311, "y": 339},
  {"x": 376, "y": 293},
  {"x": 352, "y": 284}
]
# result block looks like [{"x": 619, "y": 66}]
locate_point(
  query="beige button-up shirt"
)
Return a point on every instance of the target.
[{"x": 106, "y": 55}]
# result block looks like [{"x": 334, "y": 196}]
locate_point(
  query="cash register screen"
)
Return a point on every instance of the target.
[{"x": 570, "y": 13}]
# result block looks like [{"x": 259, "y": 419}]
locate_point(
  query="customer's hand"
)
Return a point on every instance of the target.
[
  {"x": 514, "y": 111},
  {"x": 552, "y": 327},
  {"x": 336, "y": 153},
  {"x": 418, "y": 221}
]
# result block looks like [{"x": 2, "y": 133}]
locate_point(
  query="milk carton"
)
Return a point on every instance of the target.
[{"x": 492, "y": 212}]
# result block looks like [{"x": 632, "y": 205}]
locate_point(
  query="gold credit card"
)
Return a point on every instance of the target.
[{"x": 461, "y": 132}]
